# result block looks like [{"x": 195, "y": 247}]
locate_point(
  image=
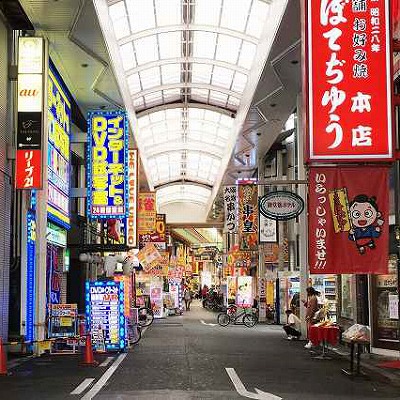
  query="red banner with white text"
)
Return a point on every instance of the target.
[{"x": 348, "y": 220}]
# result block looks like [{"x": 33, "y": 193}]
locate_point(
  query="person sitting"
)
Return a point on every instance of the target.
[{"x": 293, "y": 326}]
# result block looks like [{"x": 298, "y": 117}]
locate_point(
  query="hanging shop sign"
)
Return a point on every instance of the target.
[
  {"x": 268, "y": 229},
  {"x": 28, "y": 170},
  {"x": 58, "y": 160},
  {"x": 107, "y": 164},
  {"x": 244, "y": 295},
  {"x": 281, "y": 205},
  {"x": 248, "y": 217},
  {"x": 148, "y": 256},
  {"x": 56, "y": 235},
  {"x": 30, "y": 275},
  {"x": 231, "y": 208},
  {"x": 105, "y": 314},
  {"x": 132, "y": 234},
  {"x": 349, "y": 88},
  {"x": 147, "y": 213},
  {"x": 348, "y": 220}
]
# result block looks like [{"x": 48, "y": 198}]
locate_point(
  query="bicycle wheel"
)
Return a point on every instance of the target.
[
  {"x": 135, "y": 334},
  {"x": 249, "y": 320},
  {"x": 223, "y": 319},
  {"x": 145, "y": 316}
]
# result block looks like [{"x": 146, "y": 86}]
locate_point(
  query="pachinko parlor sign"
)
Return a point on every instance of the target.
[
  {"x": 107, "y": 164},
  {"x": 348, "y": 80},
  {"x": 348, "y": 230}
]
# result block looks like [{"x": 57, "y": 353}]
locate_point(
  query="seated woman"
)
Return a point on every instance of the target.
[{"x": 293, "y": 326}]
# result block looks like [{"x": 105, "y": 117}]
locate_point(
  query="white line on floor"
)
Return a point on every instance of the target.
[
  {"x": 82, "y": 387},
  {"x": 106, "y": 361},
  {"x": 104, "y": 378}
]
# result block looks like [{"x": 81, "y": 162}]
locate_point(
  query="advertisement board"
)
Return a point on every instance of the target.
[
  {"x": 231, "y": 208},
  {"x": 349, "y": 80},
  {"x": 156, "y": 298},
  {"x": 58, "y": 154},
  {"x": 132, "y": 234},
  {"x": 105, "y": 314},
  {"x": 30, "y": 275},
  {"x": 147, "y": 213},
  {"x": 248, "y": 217},
  {"x": 244, "y": 295},
  {"x": 107, "y": 164},
  {"x": 63, "y": 320},
  {"x": 28, "y": 163},
  {"x": 348, "y": 220}
]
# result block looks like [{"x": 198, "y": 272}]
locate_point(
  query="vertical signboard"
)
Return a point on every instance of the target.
[
  {"x": 230, "y": 203},
  {"x": 349, "y": 86},
  {"x": 58, "y": 161},
  {"x": 107, "y": 164},
  {"x": 30, "y": 275},
  {"x": 28, "y": 164},
  {"x": 105, "y": 314},
  {"x": 147, "y": 216},
  {"x": 156, "y": 298},
  {"x": 348, "y": 220},
  {"x": 244, "y": 296},
  {"x": 248, "y": 217},
  {"x": 268, "y": 229},
  {"x": 132, "y": 234}
]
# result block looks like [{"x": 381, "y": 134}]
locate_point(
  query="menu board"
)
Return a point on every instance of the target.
[
  {"x": 105, "y": 314},
  {"x": 62, "y": 320}
]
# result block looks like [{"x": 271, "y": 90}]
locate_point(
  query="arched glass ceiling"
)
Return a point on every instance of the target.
[
  {"x": 186, "y": 68},
  {"x": 183, "y": 193}
]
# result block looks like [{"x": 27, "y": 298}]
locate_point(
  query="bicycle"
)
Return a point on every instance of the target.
[
  {"x": 249, "y": 319},
  {"x": 134, "y": 332},
  {"x": 145, "y": 316}
]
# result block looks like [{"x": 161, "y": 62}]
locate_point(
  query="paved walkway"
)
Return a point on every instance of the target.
[{"x": 191, "y": 357}]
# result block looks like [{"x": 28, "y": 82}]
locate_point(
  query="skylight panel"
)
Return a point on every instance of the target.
[
  {"x": 233, "y": 102},
  {"x": 258, "y": 16},
  {"x": 222, "y": 77},
  {"x": 201, "y": 73},
  {"x": 247, "y": 54},
  {"x": 212, "y": 116},
  {"x": 143, "y": 121},
  {"x": 141, "y": 14},
  {"x": 239, "y": 82},
  {"x": 194, "y": 135},
  {"x": 171, "y": 95},
  {"x": 173, "y": 114},
  {"x": 207, "y": 12},
  {"x": 234, "y": 14},
  {"x": 200, "y": 94},
  {"x": 170, "y": 44},
  {"x": 150, "y": 78},
  {"x": 138, "y": 103},
  {"x": 119, "y": 19},
  {"x": 226, "y": 121},
  {"x": 168, "y": 12},
  {"x": 218, "y": 98},
  {"x": 204, "y": 44},
  {"x": 153, "y": 99},
  {"x": 228, "y": 49},
  {"x": 171, "y": 73},
  {"x": 146, "y": 49},
  {"x": 127, "y": 56},
  {"x": 195, "y": 113},
  {"x": 134, "y": 83}
]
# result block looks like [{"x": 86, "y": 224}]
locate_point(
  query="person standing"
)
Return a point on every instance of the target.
[
  {"x": 292, "y": 328},
  {"x": 187, "y": 296},
  {"x": 312, "y": 307}
]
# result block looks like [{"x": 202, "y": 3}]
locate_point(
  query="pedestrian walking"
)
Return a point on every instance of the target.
[{"x": 187, "y": 297}]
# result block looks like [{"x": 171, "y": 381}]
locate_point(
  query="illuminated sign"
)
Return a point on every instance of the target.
[
  {"x": 28, "y": 165},
  {"x": 30, "y": 276},
  {"x": 147, "y": 213},
  {"x": 349, "y": 85},
  {"x": 58, "y": 154},
  {"x": 107, "y": 164},
  {"x": 132, "y": 198},
  {"x": 105, "y": 314},
  {"x": 56, "y": 235}
]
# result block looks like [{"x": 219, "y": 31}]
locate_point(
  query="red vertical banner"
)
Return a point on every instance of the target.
[
  {"x": 348, "y": 228},
  {"x": 28, "y": 173},
  {"x": 348, "y": 80},
  {"x": 248, "y": 217}
]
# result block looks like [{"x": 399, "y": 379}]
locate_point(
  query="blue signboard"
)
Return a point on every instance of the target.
[
  {"x": 105, "y": 314},
  {"x": 58, "y": 155},
  {"x": 30, "y": 275},
  {"x": 107, "y": 164}
]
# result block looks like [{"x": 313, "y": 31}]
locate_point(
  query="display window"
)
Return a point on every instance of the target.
[{"x": 385, "y": 311}]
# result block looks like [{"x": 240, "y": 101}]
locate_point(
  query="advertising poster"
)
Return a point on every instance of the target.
[
  {"x": 349, "y": 80},
  {"x": 348, "y": 220},
  {"x": 174, "y": 290},
  {"x": 107, "y": 164},
  {"x": 244, "y": 296},
  {"x": 147, "y": 213},
  {"x": 231, "y": 208},
  {"x": 131, "y": 221},
  {"x": 148, "y": 256},
  {"x": 248, "y": 217},
  {"x": 231, "y": 288},
  {"x": 105, "y": 314},
  {"x": 54, "y": 275},
  {"x": 268, "y": 230},
  {"x": 63, "y": 320},
  {"x": 156, "y": 298},
  {"x": 58, "y": 154}
]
